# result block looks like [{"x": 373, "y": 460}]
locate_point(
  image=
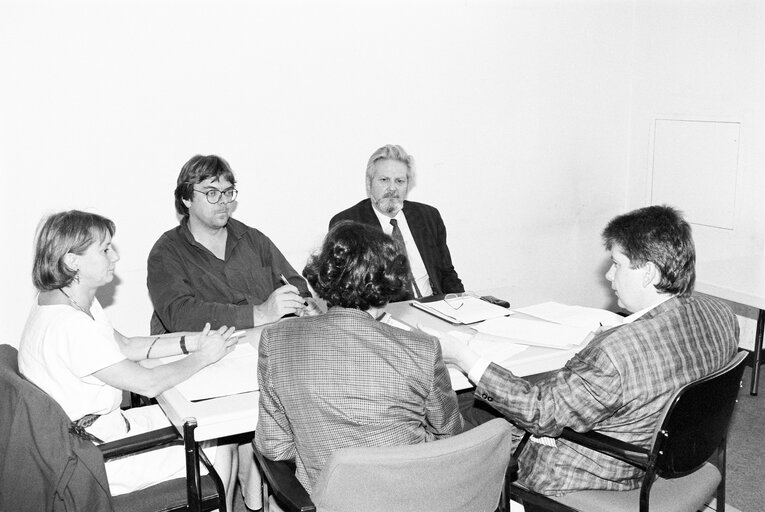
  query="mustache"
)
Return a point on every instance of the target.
[{"x": 391, "y": 195}]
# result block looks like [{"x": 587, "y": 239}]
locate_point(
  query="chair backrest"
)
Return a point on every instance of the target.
[
  {"x": 695, "y": 421},
  {"x": 464, "y": 472},
  {"x": 42, "y": 465}
]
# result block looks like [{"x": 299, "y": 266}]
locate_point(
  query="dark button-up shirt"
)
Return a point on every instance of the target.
[{"x": 189, "y": 285}]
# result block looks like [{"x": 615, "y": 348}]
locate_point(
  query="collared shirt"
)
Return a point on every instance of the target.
[
  {"x": 189, "y": 285},
  {"x": 413, "y": 254}
]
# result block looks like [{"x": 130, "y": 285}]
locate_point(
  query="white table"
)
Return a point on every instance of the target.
[
  {"x": 236, "y": 414},
  {"x": 532, "y": 361},
  {"x": 217, "y": 417},
  {"x": 740, "y": 280}
]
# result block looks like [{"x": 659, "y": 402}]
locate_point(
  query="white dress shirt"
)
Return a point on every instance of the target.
[{"x": 415, "y": 260}]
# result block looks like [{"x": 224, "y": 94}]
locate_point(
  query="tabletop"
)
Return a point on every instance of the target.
[{"x": 235, "y": 414}]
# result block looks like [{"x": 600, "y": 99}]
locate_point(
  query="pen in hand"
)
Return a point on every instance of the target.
[{"x": 284, "y": 281}]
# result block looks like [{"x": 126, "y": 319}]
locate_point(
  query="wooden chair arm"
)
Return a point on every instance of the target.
[
  {"x": 284, "y": 485},
  {"x": 139, "y": 443}
]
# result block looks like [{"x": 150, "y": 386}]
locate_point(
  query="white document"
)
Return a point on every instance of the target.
[
  {"x": 235, "y": 373},
  {"x": 497, "y": 350},
  {"x": 459, "y": 379},
  {"x": 535, "y": 332},
  {"x": 574, "y": 316},
  {"x": 463, "y": 310},
  {"x": 494, "y": 348}
]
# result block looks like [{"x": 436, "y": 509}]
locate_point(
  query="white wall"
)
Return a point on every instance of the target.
[
  {"x": 705, "y": 59},
  {"x": 517, "y": 113}
]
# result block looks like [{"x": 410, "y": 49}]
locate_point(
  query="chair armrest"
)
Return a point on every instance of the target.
[
  {"x": 626, "y": 452},
  {"x": 284, "y": 485},
  {"x": 140, "y": 443}
]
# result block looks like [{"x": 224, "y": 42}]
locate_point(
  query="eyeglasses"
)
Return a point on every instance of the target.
[
  {"x": 454, "y": 300},
  {"x": 213, "y": 195}
]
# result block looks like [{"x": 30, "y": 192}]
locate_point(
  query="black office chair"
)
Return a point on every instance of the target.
[
  {"x": 46, "y": 464},
  {"x": 678, "y": 475},
  {"x": 459, "y": 473}
]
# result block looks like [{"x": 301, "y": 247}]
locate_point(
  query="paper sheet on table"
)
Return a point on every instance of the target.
[
  {"x": 463, "y": 310},
  {"x": 535, "y": 332},
  {"x": 574, "y": 316},
  {"x": 494, "y": 348},
  {"x": 459, "y": 379},
  {"x": 235, "y": 373}
]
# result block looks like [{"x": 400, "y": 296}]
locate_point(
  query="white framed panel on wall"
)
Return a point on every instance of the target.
[{"x": 694, "y": 167}]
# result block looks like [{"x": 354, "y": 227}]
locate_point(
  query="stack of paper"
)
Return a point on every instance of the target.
[
  {"x": 463, "y": 310},
  {"x": 535, "y": 332},
  {"x": 494, "y": 348},
  {"x": 574, "y": 316}
]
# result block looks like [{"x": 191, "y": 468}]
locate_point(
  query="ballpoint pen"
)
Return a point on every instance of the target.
[{"x": 284, "y": 281}]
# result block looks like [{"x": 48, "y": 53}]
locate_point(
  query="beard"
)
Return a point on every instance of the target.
[{"x": 389, "y": 204}]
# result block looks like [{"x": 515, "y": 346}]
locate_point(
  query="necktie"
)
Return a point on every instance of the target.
[{"x": 399, "y": 238}]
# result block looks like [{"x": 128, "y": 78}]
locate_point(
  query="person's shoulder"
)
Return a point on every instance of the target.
[
  {"x": 241, "y": 230},
  {"x": 411, "y": 337},
  {"x": 708, "y": 300},
  {"x": 709, "y": 305},
  {"x": 351, "y": 213},
  {"x": 169, "y": 238},
  {"x": 421, "y": 208},
  {"x": 62, "y": 320}
]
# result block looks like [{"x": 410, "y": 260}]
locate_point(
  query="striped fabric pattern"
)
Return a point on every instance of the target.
[{"x": 617, "y": 385}]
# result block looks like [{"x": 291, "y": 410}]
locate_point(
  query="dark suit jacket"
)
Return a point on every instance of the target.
[{"x": 429, "y": 234}]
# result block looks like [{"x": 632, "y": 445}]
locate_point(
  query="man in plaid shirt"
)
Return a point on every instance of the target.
[{"x": 621, "y": 381}]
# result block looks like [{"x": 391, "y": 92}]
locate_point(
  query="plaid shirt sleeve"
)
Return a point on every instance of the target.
[{"x": 579, "y": 396}]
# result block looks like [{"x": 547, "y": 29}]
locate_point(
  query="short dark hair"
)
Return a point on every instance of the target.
[
  {"x": 358, "y": 267},
  {"x": 658, "y": 234},
  {"x": 194, "y": 172},
  {"x": 61, "y": 233}
]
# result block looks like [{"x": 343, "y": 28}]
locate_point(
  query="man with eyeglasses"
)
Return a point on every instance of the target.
[
  {"x": 417, "y": 227},
  {"x": 213, "y": 268}
]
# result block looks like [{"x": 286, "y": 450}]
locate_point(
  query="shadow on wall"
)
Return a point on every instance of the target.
[{"x": 106, "y": 293}]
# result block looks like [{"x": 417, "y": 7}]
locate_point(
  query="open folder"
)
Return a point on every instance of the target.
[{"x": 462, "y": 310}]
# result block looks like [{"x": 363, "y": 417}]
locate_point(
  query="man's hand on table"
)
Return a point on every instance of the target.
[{"x": 454, "y": 347}]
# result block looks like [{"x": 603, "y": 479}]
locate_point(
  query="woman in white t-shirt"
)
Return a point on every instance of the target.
[{"x": 71, "y": 351}]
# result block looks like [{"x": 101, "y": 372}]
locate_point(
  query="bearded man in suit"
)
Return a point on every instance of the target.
[{"x": 417, "y": 226}]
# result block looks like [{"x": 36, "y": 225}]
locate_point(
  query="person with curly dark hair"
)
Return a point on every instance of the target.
[{"x": 344, "y": 378}]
